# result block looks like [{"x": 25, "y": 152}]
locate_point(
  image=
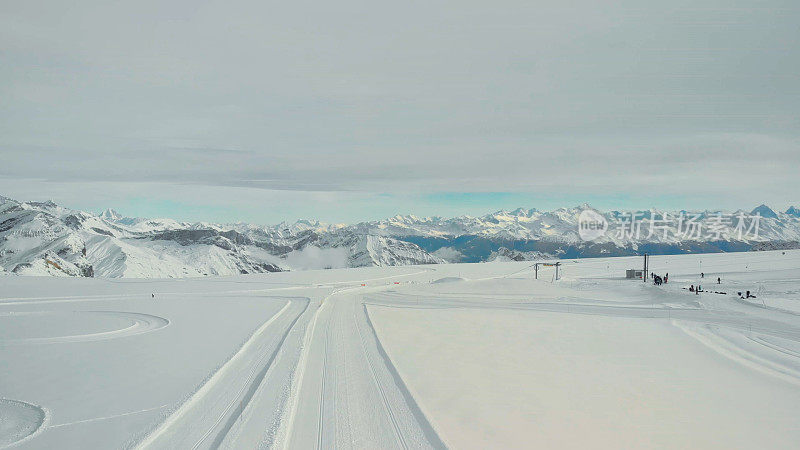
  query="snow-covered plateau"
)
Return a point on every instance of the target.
[{"x": 480, "y": 355}]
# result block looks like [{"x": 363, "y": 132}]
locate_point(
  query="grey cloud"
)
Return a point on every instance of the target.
[{"x": 402, "y": 97}]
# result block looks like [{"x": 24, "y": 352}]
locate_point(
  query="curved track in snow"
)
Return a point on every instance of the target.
[
  {"x": 132, "y": 324},
  {"x": 19, "y": 421}
]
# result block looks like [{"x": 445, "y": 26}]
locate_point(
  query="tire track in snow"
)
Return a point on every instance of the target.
[
  {"x": 287, "y": 425},
  {"x": 253, "y": 385},
  {"x": 320, "y": 423},
  {"x": 113, "y": 416},
  {"x": 427, "y": 428},
  {"x": 711, "y": 337},
  {"x": 387, "y": 407},
  {"x": 195, "y": 403},
  {"x": 716, "y": 317}
]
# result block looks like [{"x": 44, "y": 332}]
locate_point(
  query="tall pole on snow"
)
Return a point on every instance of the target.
[{"x": 645, "y": 272}]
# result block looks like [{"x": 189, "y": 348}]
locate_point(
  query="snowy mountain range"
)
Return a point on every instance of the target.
[{"x": 42, "y": 238}]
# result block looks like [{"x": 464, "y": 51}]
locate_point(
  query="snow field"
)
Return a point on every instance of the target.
[{"x": 460, "y": 356}]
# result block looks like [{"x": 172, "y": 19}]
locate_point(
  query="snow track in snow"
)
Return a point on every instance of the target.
[
  {"x": 374, "y": 360},
  {"x": 428, "y": 429},
  {"x": 355, "y": 399},
  {"x": 132, "y": 324},
  {"x": 204, "y": 419},
  {"x": 734, "y": 344},
  {"x": 747, "y": 339}
]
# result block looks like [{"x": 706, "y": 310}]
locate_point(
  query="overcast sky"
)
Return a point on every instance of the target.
[{"x": 265, "y": 111}]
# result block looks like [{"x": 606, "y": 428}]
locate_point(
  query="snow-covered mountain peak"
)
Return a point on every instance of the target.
[
  {"x": 44, "y": 238},
  {"x": 520, "y": 212},
  {"x": 111, "y": 215},
  {"x": 764, "y": 211}
]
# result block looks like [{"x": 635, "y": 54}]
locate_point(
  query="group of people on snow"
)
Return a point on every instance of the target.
[
  {"x": 699, "y": 289},
  {"x": 657, "y": 280}
]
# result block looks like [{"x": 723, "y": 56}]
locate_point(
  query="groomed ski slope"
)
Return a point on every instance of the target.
[{"x": 458, "y": 356}]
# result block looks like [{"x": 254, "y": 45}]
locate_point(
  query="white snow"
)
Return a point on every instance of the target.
[
  {"x": 456, "y": 355},
  {"x": 19, "y": 421},
  {"x": 45, "y": 239}
]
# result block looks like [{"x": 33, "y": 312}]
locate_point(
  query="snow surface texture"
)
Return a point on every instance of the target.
[
  {"x": 42, "y": 238},
  {"x": 456, "y": 355},
  {"x": 18, "y": 421}
]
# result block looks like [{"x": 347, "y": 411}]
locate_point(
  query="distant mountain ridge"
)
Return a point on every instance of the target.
[{"x": 43, "y": 238}]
